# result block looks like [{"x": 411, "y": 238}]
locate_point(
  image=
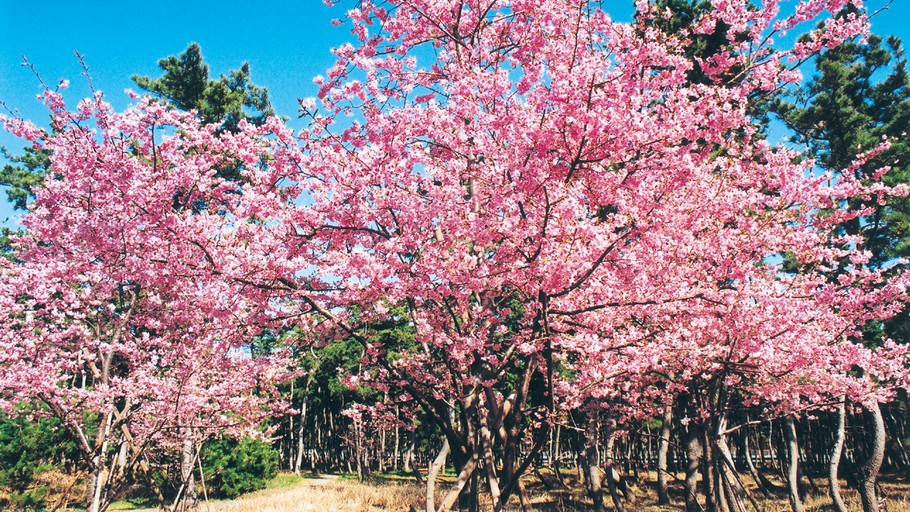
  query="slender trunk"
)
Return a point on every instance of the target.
[
  {"x": 806, "y": 485},
  {"x": 205, "y": 492},
  {"x": 358, "y": 450},
  {"x": 779, "y": 451},
  {"x": 557, "y": 450},
  {"x": 187, "y": 478},
  {"x": 396, "y": 455},
  {"x": 319, "y": 450},
  {"x": 737, "y": 493},
  {"x": 99, "y": 500},
  {"x": 382, "y": 450},
  {"x": 593, "y": 480},
  {"x": 97, "y": 484},
  {"x": 750, "y": 465},
  {"x": 465, "y": 476},
  {"x": 716, "y": 482},
  {"x": 731, "y": 501},
  {"x": 469, "y": 502},
  {"x": 713, "y": 500},
  {"x": 553, "y": 447},
  {"x": 409, "y": 455},
  {"x": 123, "y": 457},
  {"x": 523, "y": 498},
  {"x": 898, "y": 432},
  {"x": 432, "y": 471},
  {"x": 580, "y": 465},
  {"x": 834, "y": 463},
  {"x": 91, "y": 481},
  {"x": 612, "y": 475},
  {"x": 693, "y": 463},
  {"x": 298, "y": 458},
  {"x": 762, "y": 453},
  {"x": 489, "y": 461},
  {"x": 869, "y": 470},
  {"x": 559, "y": 477},
  {"x": 793, "y": 464},
  {"x": 288, "y": 440},
  {"x": 663, "y": 496},
  {"x": 809, "y": 458}
]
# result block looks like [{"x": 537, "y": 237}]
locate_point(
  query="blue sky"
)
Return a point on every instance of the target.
[{"x": 286, "y": 44}]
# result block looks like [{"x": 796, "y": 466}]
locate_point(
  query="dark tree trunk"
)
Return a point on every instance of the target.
[
  {"x": 709, "y": 473},
  {"x": 897, "y": 426},
  {"x": 298, "y": 454},
  {"x": 396, "y": 454},
  {"x": 612, "y": 480},
  {"x": 409, "y": 454},
  {"x": 750, "y": 465},
  {"x": 734, "y": 489}
]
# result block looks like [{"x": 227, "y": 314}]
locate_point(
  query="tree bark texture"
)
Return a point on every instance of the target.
[
  {"x": 694, "y": 454},
  {"x": 792, "y": 464},
  {"x": 663, "y": 495},
  {"x": 834, "y": 463},
  {"x": 869, "y": 470}
]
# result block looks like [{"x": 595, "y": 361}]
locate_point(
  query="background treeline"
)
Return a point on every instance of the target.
[{"x": 319, "y": 437}]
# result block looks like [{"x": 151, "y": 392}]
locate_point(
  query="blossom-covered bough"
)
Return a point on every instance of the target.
[
  {"x": 125, "y": 314},
  {"x": 569, "y": 222}
]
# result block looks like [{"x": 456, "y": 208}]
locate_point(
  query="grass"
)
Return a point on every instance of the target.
[
  {"x": 124, "y": 505},
  {"x": 284, "y": 481}
]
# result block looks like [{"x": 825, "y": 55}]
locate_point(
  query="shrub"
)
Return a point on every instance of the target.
[
  {"x": 29, "y": 448},
  {"x": 236, "y": 467}
]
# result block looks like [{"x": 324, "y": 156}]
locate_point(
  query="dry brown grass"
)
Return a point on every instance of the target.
[
  {"x": 895, "y": 489},
  {"x": 322, "y": 495},
  {"x": 350, "y": 496},
  {"x": 333, "y": 494}
]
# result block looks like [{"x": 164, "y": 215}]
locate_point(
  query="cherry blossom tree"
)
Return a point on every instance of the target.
[
  {"x": 123, "y": 314},
  {"x": 563, "y": 212},
  {"x": 566, "y": 219}
]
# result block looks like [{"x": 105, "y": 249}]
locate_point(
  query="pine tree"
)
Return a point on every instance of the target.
[
  {"x": 187, "y": 86},
  {"x": 227, "y": 100},
  {"x": 861, "y": 95}
]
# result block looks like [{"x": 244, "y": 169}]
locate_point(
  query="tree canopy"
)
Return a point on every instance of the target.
[{"x": 518, "y": 211}]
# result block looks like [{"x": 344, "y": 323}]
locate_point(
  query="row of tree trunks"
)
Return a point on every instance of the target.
[
  {"x": 756, "y": 448},
  {"x": 714, "y": 463},
  {"x": 713, "y": 482}
]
